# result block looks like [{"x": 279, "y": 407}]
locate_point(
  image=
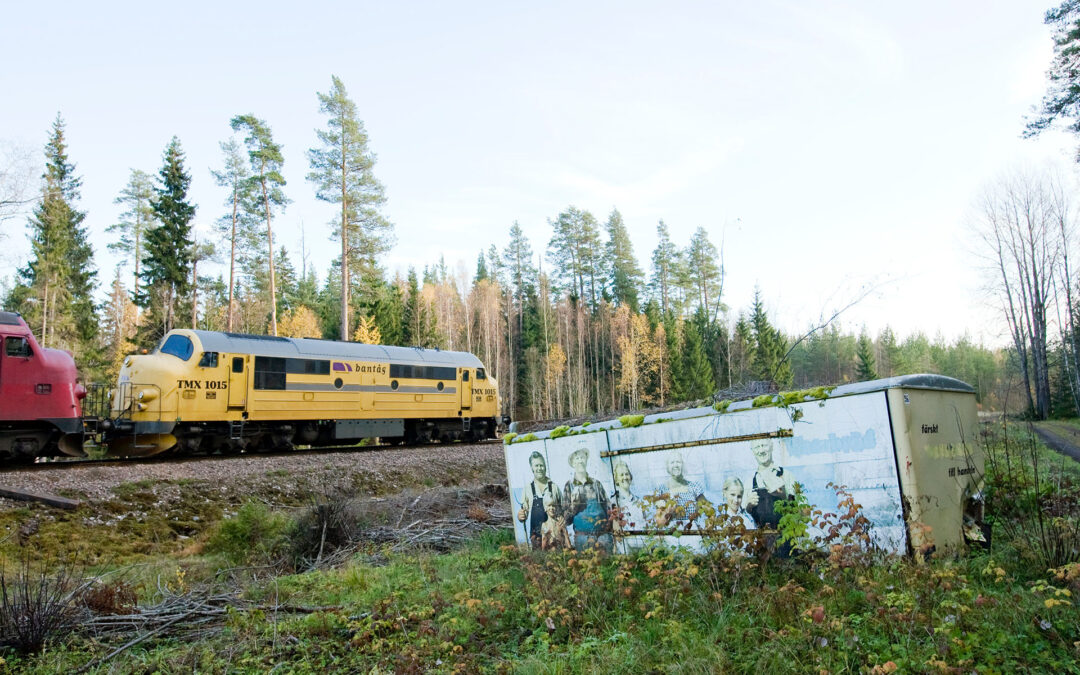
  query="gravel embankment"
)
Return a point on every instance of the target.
[{"x": 382, "y": 471}]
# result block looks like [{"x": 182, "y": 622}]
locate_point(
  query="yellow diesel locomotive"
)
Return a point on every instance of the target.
[{"x": 203, "y": 391}]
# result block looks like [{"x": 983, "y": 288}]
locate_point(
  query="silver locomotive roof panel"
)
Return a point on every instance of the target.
[{"x": 298, "y": 348}]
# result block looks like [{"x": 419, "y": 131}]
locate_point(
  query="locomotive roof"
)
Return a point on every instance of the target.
[
  {"x": 10, "y": 319},
  {"x": 283, "y": 347}
]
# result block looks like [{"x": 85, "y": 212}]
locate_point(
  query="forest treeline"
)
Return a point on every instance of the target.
[{"x": 573, "y": 328}]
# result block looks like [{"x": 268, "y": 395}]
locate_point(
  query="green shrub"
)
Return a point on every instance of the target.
[
  {"x": 254, "y": 534},
  {"x": 631, "y": 420},
  {"x": 722, "y": 406}
]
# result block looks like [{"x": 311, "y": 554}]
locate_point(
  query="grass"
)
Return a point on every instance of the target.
[
  {"x": 489, "y": 606},
  {"x": 492, "y": 607}
]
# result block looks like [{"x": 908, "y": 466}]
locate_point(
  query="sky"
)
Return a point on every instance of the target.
[{"x": 835, "y": 150}]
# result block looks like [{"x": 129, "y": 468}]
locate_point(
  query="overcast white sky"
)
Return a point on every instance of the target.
[{"x": 827, "y": 145}]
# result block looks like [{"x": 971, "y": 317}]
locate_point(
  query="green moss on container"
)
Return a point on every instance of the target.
[
  {"x": 509, "y": 437},
  {"x": 526, "y": 438},
  {"x": 722, "y": 406},
  {"x": 631, "y": 420},
  {"x": 763, "y": 401},
  {"x": 560, "y": 431}
]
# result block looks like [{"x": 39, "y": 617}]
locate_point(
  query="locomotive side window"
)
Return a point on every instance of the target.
[
  {"x": 238, "y": 364},
  {"x": 269, "y": 373},
  {"x": 208, "y": 360},
  {"x": 179, "y": 346},
  {"x": 407, "y": 371},
  {"x": 464, "y": 376},
  {"x": 17, "y": 346},
  {"x": 480, "y": 374}
]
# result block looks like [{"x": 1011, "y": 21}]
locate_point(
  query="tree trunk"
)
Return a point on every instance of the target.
[
  {"x": 344, "y": 239},
  {"x": 270, "y": 244},
  {"x": 229, "y": 322}
]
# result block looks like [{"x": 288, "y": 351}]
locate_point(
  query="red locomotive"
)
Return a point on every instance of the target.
[{"x": 40, "y": 396}]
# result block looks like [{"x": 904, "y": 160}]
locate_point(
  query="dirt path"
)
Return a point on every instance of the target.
[{"x": 1060, "y": 436}]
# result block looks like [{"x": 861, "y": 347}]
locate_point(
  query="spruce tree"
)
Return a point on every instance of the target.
[
  {"x": 55, "y": 289},
  {"x": 481, "y": 269},
  {"x": 697, "y": 371},
  {"x": 865, "y": 359},
  {"x": 412, "y": 313},
  {"x": 266, "y": 163},
  {"x": 626, "y": 274},
  {"x": 388, "y": 311},
  {"x": 770, "y": 347},
  {"x": 166, "y": 272},
  {"x": 343, "y": 172}
]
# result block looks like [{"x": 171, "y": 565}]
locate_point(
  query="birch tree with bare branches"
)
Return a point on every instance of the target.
[{"x": 1021, "y": 227}]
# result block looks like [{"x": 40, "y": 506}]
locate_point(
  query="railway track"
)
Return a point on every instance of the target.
[{"x": 167, "y": 458}]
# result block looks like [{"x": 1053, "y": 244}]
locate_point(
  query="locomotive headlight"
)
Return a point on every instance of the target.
[{"x": 147, "y": 395}]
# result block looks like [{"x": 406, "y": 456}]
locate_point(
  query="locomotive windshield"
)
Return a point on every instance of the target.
[{"x": 179, "y": 346}]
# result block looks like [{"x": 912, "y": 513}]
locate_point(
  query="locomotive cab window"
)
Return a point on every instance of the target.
[
  {"x": 238, "y": 364},
  {"x": 17, "y": 346},
  {"x": 480, "y": 374},
  {"x": 464, "y": 376},
  {"x": 208, "y": 360},
  {"x": 178, "y": 346}
]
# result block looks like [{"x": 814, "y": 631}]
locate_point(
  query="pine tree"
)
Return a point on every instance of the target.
[
  {"x": 55, "y": 289},
  {"x": 166, "y": 272},
  {"x": 237, "y": 226},
  {"x": 576, "y": 251},
  {"x": 1062, "y": 100},
  {"x": 865, "y": 355},
  {"x": 626, "y": 274},
  {"x": 343, "y": 171},
  {"x": 665, "y": 261},
  {"x": 137, "y": 218},
  {"x": 266, "y": 163},
  {"x": 522, "y": 274},
  {"x": 200, "y": 251},
  {"x": 704, "y": 271}
]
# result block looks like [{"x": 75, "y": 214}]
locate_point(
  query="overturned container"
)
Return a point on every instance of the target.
[{"x": 903, "y": 447}]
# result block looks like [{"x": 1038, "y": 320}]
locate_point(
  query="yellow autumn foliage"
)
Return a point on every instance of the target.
[
  {"x": 367, "y": 332},
  {"x": 299, "y": 322}
]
